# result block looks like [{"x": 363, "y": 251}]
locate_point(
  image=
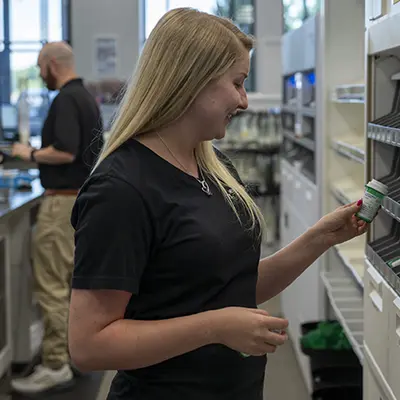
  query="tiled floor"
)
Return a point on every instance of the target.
[{"x": 283, "y": 379}]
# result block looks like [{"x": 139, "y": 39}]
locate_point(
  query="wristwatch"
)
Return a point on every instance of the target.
[{"x": 33, "y": 155}]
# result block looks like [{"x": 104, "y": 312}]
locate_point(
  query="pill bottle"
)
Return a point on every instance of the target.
[
  {"x": 394, "y": 262},
  {"x": 374, "y": 194}
]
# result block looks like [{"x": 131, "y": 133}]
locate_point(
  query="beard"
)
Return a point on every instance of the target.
[{"x": 50, "y": 80}]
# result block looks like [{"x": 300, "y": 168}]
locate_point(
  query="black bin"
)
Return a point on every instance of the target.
[
  {"x": 321, "y": 358},
  {"x": 336, "y": 374}
]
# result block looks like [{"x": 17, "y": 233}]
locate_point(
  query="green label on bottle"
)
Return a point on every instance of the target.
[{"x": 372, "y": 200}]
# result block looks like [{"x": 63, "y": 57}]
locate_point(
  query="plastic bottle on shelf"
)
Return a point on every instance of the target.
[
  {"x": 244, "y": 128},
  {"x": 253, "y": 127},
  {"x": 394, "y": 264},
  {"x": 374, "y": 194},
  {"x": 24, "y": 128}
]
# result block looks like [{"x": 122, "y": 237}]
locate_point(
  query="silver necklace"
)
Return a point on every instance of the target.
[{"x": 203, "y": 183}]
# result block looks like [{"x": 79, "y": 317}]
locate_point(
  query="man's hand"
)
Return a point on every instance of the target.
[{"x": 21, "y": 151}]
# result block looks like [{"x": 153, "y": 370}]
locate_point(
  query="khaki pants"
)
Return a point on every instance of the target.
[{"x": 53, "y": 260}]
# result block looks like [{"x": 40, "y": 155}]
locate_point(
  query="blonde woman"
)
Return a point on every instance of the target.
[{"x": 167, "y": 271}]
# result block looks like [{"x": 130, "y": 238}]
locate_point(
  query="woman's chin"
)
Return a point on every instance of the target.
[{"x": 220, "y": 135}]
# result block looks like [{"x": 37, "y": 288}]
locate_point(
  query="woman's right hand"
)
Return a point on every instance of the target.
[{"x": 249, "y": 331}]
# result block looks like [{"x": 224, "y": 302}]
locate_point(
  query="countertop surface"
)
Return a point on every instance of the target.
[{"x": 19, "y": 198}]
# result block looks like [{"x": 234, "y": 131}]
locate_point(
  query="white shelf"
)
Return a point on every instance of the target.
[
  {"x": 396, "y": 77},
  {"x": 289, "y": 109},
  {"x": 384, "y": 134},
  {"x": 305, "y": 142},
  {"x": 346, "y": 191},
  {"x": 383, "y": 34},
  {"x": 387, "y": 273},
  {"x": 392, "y": 207},
  {"x": 345, "y": 296},
  {"x": 348, "y": 101},
  {"x": 352, "y": 256},
  {"x": 350, "y": 150},
  {"x": 308, "y": 111}
]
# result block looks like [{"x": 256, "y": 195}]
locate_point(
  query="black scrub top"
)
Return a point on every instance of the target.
[
  {"x": 73, "y": 125},
  {"x": 146, "y": 227}
]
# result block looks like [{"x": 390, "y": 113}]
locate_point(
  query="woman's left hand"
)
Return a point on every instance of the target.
[{"x": 341, "y": 225}]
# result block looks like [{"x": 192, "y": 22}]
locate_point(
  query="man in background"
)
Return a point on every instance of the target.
[{"x": 71, "y": 141}]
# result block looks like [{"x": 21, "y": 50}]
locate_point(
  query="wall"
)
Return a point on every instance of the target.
[
  {"x": 105, "y": 17},
  {"x": 268, "y": 54},
  {"x": 121, "y": 17}
]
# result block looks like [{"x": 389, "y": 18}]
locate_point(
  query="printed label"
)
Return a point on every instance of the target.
[{"x": 370, "y": 206}]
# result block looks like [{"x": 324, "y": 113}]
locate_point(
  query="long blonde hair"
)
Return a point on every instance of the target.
[{"x": 185, "y": 51}]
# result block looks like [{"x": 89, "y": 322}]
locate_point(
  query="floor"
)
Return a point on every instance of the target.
[
  {"x": 85, "y": 388},
  {"x": 283, "y": 379}
]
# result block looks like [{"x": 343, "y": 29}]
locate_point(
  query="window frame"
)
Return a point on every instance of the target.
[
  {"x": 251, "y": 80},
  {"x": 5, "y": 55}
]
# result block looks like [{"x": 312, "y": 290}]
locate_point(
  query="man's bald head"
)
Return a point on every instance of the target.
[
  {"x": 56, "y": 63},
  {"x": 60, "y": 52}
]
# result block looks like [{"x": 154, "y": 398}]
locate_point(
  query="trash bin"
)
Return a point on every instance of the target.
[
  {"x": 336, "y": 370},
  {"x": 321, "y": 358}
]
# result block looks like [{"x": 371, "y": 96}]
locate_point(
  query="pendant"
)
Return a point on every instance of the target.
[{"x": 205, "y": 188}]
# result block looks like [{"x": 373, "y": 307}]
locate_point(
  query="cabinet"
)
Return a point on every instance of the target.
[
  {"x": 299, "y": 194},
  {"x": 377, "y": 323},
  {"x": 5, "y": 332},
  {"x": 394, "y": 344},
  {"x": 382, "y": 282},
  {"x": 372, "y": 389}
]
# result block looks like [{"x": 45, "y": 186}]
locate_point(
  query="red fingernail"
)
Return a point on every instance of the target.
[{"x": 359, "y": 202}]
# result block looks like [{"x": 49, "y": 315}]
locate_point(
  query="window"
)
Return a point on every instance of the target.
[
  {"x": 25, "y": 20},
  {"x": 155, "y": 9},
  {"x": 1, "y": 25},
  {"x": 25, "y": 25},
  {"x": 295, "y": 12},
  {"x": 55, "y": 25},
  {"x": 240, "y": 11}
]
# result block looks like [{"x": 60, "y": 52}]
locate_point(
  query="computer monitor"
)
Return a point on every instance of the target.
[
  {"x": 8, "y": 121},
  {"x": 2, "y": 138},
  {"x": 9, "y": 117}
]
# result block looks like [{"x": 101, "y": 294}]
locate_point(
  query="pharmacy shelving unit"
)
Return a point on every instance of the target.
[
  {"x": 341, "y": 119},
  {"x": 324, "y": 161},
  {"x": 382, "y": 283},
  {"x": 300, "y": 174}
]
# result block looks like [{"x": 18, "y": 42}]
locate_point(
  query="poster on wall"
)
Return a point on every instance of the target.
[{"x": 105, "y": 62}]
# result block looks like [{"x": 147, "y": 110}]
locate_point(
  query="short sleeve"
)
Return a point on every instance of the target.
[
  {"x": 67, "y": 129},
  {"x": 113, "y": 236}
]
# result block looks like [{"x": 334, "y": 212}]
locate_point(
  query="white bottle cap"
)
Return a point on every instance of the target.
[{"x": 378, "y": 186}]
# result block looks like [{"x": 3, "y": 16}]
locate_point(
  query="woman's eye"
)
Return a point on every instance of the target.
[{"x": 238, "y": 85}]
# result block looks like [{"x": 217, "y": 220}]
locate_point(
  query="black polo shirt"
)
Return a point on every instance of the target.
[
  {"x": 73, "y": 125},
  {"x": 146, "y": 227}
]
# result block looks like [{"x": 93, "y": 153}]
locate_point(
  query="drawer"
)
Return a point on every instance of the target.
[
  {"x": 376, "y": 386},
  {"x": 306, "y": 199},
  {"x": 287, "y": 181},
  {"x": 393, "y": 376},
  {"x": 371, "y": 388},
  {"x": 376, "y": 321},
  {"x": 285, "y": 223}
]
